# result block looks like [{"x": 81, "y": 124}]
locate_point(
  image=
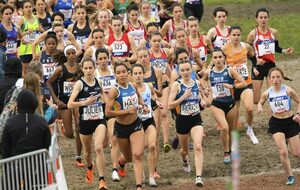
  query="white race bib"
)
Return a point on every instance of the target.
[
  {"x": 11, "y": 47},
  {"x": 93, "y": 112},
  {"x": 280, "y": 104},
  {"x": 68, "y": 87},
  {"x": 108, "y": 82},
  {"x": 119, "y": 48},
  {"x": 48, "y": 69},
  {"x": 189, "y": 108},
  {"x": 160, "y": 64},
  {"x": 220, "y": 91},
  {"x": 129, "y": 101},
  {"x": 242, "y": 70},
  {"x": 266, "y": 47},
  {"x": 67, "y": 13}
]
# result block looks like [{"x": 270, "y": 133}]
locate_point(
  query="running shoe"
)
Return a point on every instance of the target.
[
  {"x": 252, "y": 136},
  {"x": 78, "y": 162},
  {"x": 89, "y": 175},
  {"x": 291, "y": 180},
  {"x": 186, "y": 167},
  {"x": 115, "y": 176},
  {"x": 227, "y": 158},
  {"x": 175, "y": 143},
  {"x": 156, "y": 175},
  {"x": 152, "y": 182},
  {"x": 199, "y": 181},
  {"x": 102, "y": 185},
  {"x": 167, "y": 147},
  {"x": 122, "y": 172}
]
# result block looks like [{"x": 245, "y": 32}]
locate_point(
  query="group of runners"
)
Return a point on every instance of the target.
[{"x": 117, "y": 73}]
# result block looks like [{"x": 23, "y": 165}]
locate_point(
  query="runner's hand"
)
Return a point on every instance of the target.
[
  {"x": 296, "y": 118},
  {"x": 187, "y": 93},
  {"x": 259, "y": 108},
  {"x": 260, "y": 61},
  {"x": 289, "y": 51},
  {"x": 131, "y": 109},
  {"x": 90, "y": 100},
  {"x": 255, "y": 71}
]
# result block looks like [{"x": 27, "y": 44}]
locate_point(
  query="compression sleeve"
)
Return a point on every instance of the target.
[
  {"x": 253, "y": 61},
  {"x": 277, "y": 48}
]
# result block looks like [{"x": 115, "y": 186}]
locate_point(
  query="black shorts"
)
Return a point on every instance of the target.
[
  {"x": 263, "y": 70},
  {"x": 238, "y": 91},
  {"x": 287, "y": 126},
  {"x": 147, "y": 123},
  {"x": 225, "y": 106},
  {"x": 124, "y": 131},
  {"x": 89, "y": 127},
  {"x": 26, "y": 58},
  {"x": 184, "y": 123}
]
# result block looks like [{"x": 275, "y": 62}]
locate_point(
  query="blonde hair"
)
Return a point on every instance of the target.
[{"x": 32, "y": 82}]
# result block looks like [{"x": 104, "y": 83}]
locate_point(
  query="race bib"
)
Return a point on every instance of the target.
[
  {"x": 266, "y": 47},
  {"x": 93, "y": 112},
  {"x": 202, "y": 54},
  {"x": 67, "y": 13},
  {"x": 129, "y": 101},
  {"x": 220, "y": 91},
  {"x": 29, "y": 38},
  {"x": 108, "y": 82},
  {"x": 189, "y": 108},
  {"x": 48, "y": 69},
  {"x": 137, "y": 35},
  {"x": 160, "y": 64},
  {"x": 242, "y": 70},
  {"x": 81, "y": 40},
  {"x": 119, "y": 48},
  {"x": 280, "y": 104},
  {"x": 11, "y": 47},
  {"x": 143, "y": 114},
  {"x": 68, "y": 87}
]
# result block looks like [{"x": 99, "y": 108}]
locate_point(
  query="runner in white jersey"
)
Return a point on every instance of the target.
[{"x": 284, "y": 124}]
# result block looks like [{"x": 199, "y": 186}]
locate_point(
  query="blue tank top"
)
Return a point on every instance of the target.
[
  {"x": 217, "y": 79},
  {"x": 48, "y": 65},
  {"x": 65, "y": 7},
  {"x": 152, "y": 80},
  {"x": 280, "y": 102},
  {"x": 189, "y": 106},
  {"x": 94, "y": 111},
  {"x": 81, "y": 35},
  {"x": 126, "y": 97},
  {"x": 12, "y": 38}
]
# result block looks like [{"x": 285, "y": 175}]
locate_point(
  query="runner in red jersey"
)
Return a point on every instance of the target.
[{"x": 265, "y": 43}]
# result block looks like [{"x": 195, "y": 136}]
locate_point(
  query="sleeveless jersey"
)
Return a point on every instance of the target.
[
  {"x": 48, "y": 65},
  {"x": 238, "y": 61},
  {"x": 81, "y": 35},
  {"x": 200, "y": 47},
  {"x": 65, "y": 7},
  {"x": 159, "y": 62},
  {"x": 66, "y": 84},
  {"x": 264, "y": 45},
  {"x": 280, "y": 102},
  {"x": 120, "y": 48},
  {"x": 29, "y": 38},
  {"x": 217, "y": 79},
  {"x": 12, "y": 38},
  {"x": 138, "y": 34},
  {"x": 189, "y": 106},
  {"x": 94, "y": 111},
  {"x": 121, "y": 8},
  {"x": 146, "y": 95},
  {"x": 107, "y": 82},
  {"x": 46, "y": 22},
  {"x": 221, "y": 40},
  {"x": 145, "y": 22},
  {"x": 171, "y": 30},
  {"x": 152, "y": 80},
  {"x": 126, "y": 97}
]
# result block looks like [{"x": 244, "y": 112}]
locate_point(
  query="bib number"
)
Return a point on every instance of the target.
[
  {"x": 93, "y": 112},
  {"x": 68, "y": 88},
  {"x": 266, "y": 47},
  {"x": 189, "y": 108},
  {"x": 11, "y": 47}
]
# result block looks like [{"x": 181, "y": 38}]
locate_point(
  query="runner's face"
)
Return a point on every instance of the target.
[
  {"x": 193, "y": 27},
  {"x": 151, "y": 29},
  {"x": 116, "y": 26},
  {"x": 276, "y": 78},
  {"x": 103, "y": 17},
  {"x": 182, "y": 57},
  {"x": 177, "y": 12},
  {"x": 143, "y": 57},
  {"x": 40, "y": 5},
  {"x": 100, "y": 3},
  {"x": 58, "y": 19},
  {"x": 221, "y": 17},
  {"x": 185, "y": 70},
  {"x": 262, "y": 19},
  {"x": 59, "y": 30},
  {"x": 51, "y": 44},
  {"x": 137, "y": 74},
  {"x": 98, "y": 38},
  {"x": 27, "y": 8},
  {"x": 7, "y": 15},
  {"x": 102, "y": 60},
  {"x": 218, "y": 59},
  {"x": 235, "y": 36},
  {"x": 181, "y": 37},
  {"x": 88, "y": 69},
  {"x": 133, "y": 15},
  {"x": 145, "y": 9},
  {"x": 71, "y": 55},
  {"x": 155, "y": 41},
  {"x": 121, "y": 74},
  {"x": 80, "y": 14},
  {"x": 12, "y": 3}
]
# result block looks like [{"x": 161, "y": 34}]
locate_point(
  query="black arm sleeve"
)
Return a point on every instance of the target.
[
  {"x": 253, "y": 61},
  {"x": 277, "y": 48}
]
